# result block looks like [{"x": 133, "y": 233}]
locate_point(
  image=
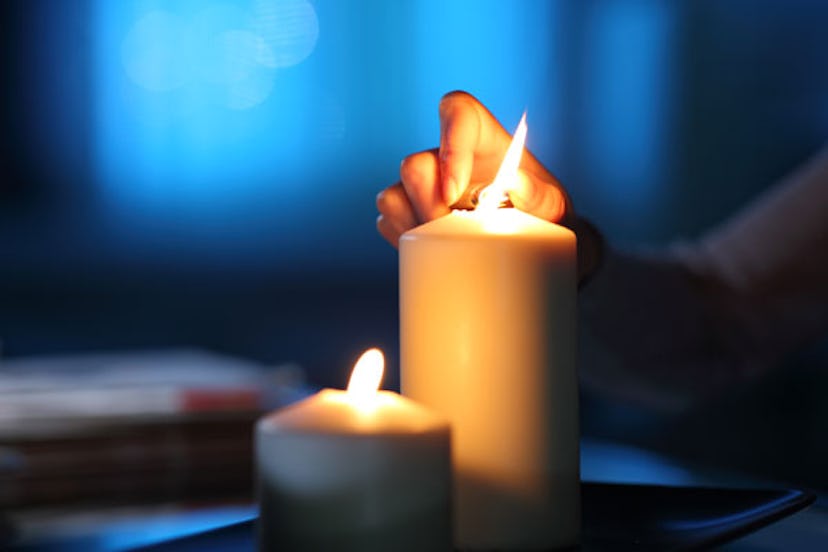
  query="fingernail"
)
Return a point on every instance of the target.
[{"x": 452, "y": 190}]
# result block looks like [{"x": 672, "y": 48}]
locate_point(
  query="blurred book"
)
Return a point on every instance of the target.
[{"x": 133, "y": 427}]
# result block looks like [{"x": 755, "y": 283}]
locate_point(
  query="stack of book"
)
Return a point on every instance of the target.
[{"x": 133, "y": 428}]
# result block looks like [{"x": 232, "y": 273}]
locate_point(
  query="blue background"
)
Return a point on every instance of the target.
[{"x": 186, "y": 173}]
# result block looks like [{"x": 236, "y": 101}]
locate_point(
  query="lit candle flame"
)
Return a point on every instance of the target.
[
  {"x": 497, "y": 192},
  {"x": 366, "y": 376}
]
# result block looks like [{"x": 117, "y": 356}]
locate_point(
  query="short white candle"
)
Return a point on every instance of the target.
[
  {"x": 488, "y": 339},
  {"x": 356, "y": 470}
]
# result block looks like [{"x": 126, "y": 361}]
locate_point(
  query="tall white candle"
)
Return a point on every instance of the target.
[
  {"x": 355, "y": 470},
  {"x": 488, "y": 338}
]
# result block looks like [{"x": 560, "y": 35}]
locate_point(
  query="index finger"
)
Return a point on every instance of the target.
[{"x": 467, "y": 130}]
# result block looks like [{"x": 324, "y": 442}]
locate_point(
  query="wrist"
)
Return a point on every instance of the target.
[{"x": 590, "y": 249}]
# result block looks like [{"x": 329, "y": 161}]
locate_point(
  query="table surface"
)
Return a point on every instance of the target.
[
  {"x": 803, "y": 531},
  {"x": 126, "y": 528}
]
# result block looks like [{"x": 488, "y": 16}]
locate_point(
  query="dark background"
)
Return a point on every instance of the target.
[{"x": 133, "y": 218}]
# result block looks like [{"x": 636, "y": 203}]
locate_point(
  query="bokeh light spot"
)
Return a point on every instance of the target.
[
  {"x": 238, "y": 54},
  {"x": 252, "y": 90},
  {"x": 221, "y": 55},
  {"x": 155, "y": 52},
  {"x": 289, "y": 27},
  {"x": 225, "y": 56}
]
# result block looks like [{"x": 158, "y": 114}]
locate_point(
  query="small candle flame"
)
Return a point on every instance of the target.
[
  {"x": 366, "y": 375},
  {"x": 497, "y": 192}
]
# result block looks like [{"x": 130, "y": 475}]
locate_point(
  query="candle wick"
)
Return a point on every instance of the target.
[{"x": 496, "y": 194}]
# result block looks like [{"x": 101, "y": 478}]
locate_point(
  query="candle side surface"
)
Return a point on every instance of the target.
[
  {"x": 334, "y": 477},
  {"x": 488, "y": 339}
]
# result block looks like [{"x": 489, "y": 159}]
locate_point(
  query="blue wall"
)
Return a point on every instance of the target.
[
  {"x": 202, "y": 173},
  {"x": 219, "y": 130},
  {"x": 242, "y": 141},
  {"x": 257, "y": 132}
]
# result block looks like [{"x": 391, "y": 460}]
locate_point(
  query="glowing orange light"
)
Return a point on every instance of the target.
[
  {"x": 366, "y": 376},
  {"x": 495, "y": 193}
]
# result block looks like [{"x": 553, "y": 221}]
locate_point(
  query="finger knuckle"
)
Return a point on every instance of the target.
[
  {"x": 410, "y": 170},
  {"x": 387, "y": 231},
  {"x": 382, "y": 200},
  {"x": 384, "y": 226}
]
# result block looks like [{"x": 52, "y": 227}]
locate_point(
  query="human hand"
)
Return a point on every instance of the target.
[{"x": 472, "y": 146}]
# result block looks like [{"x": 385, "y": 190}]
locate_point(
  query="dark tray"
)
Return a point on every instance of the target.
[{"x": 616, "y": 517}]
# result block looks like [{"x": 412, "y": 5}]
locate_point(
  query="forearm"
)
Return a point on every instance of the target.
[
  {"x": 691, "y": 320},
  {"x": 648, "y": 332}
]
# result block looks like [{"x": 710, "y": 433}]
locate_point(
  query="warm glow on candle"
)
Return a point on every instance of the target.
[
  {"x": 495, "y": 193},
  {"x": 366, "y": 376},
  {"x": 356, "y": 469},
  {"x": 509, "y": 389}
]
